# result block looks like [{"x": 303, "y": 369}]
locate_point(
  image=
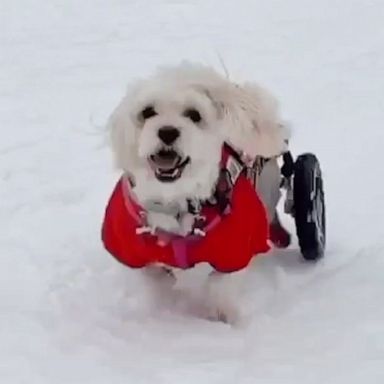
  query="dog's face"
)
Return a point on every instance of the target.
[
  {"x": 177, "y": 132},
  {"x": 166, "y": 134}
]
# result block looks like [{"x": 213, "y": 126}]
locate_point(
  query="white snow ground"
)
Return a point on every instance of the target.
[{"x": 69, "y": 313}]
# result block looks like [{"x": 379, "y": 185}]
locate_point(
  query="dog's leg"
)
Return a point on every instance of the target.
[
  {"x": 159, "y": 281},
  {"x": 222, "y": 294},
  {"x": 268, "y": 187}
]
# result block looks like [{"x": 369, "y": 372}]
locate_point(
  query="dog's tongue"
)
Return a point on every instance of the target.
[{"x": 166, "y": 160}]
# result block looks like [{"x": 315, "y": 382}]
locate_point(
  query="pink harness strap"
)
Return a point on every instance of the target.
[
  {"x": 180, "y": 246},
  {"x": 180, "y": 252}
]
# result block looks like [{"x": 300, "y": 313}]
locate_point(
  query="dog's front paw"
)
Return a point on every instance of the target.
[
  {"x": 222, "y": 297},
  {"x": 159, "y": 281},
  {"x": 159, "y": 277},
  {"x": 228, "y": 314}
]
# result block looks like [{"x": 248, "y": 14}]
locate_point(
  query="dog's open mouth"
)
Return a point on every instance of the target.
[{"x": 168, "y": 165}]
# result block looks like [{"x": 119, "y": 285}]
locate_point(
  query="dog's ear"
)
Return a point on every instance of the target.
[
  {"x": 218, "y": 104},
  {"x": 250, "y": 119},
  {"x": 121, "y": 127}
]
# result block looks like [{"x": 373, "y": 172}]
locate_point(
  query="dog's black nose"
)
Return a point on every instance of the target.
[{"x": 168, "y": 134}]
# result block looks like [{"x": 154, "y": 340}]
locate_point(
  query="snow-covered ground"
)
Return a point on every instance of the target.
[{"x": 69, "y": 313}]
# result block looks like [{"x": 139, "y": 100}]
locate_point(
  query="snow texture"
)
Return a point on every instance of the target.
[{"x": 69, "y": 313}]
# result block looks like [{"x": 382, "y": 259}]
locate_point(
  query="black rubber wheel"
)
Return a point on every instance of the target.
[{"x": 309, "y": 207}]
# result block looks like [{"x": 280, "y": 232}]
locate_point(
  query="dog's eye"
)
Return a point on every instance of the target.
[
  {"x": 192, "y": 114},
  {"x": 148, "y": 112}
]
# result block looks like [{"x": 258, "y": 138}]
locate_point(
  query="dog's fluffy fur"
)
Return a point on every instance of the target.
[{"x": 245, "y": 116}]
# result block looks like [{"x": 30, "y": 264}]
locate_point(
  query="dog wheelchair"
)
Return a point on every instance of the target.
[{"x": 302, "y": 182}]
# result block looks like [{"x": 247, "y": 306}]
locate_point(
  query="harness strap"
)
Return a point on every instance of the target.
[{"x": 180, "y": 252}]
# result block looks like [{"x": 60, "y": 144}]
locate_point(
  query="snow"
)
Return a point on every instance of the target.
[{"x": 69, "y": 313}]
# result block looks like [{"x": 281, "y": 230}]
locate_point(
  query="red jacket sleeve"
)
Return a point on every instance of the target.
[
  {"x": 118, "y": 230},
  {"x": 244, "y": 232}
]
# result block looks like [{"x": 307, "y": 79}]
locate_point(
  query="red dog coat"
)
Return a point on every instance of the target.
[{"x": 230, "y": 242}]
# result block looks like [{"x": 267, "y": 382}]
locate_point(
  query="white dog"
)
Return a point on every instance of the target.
[{"x": 168, "y": 134}]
